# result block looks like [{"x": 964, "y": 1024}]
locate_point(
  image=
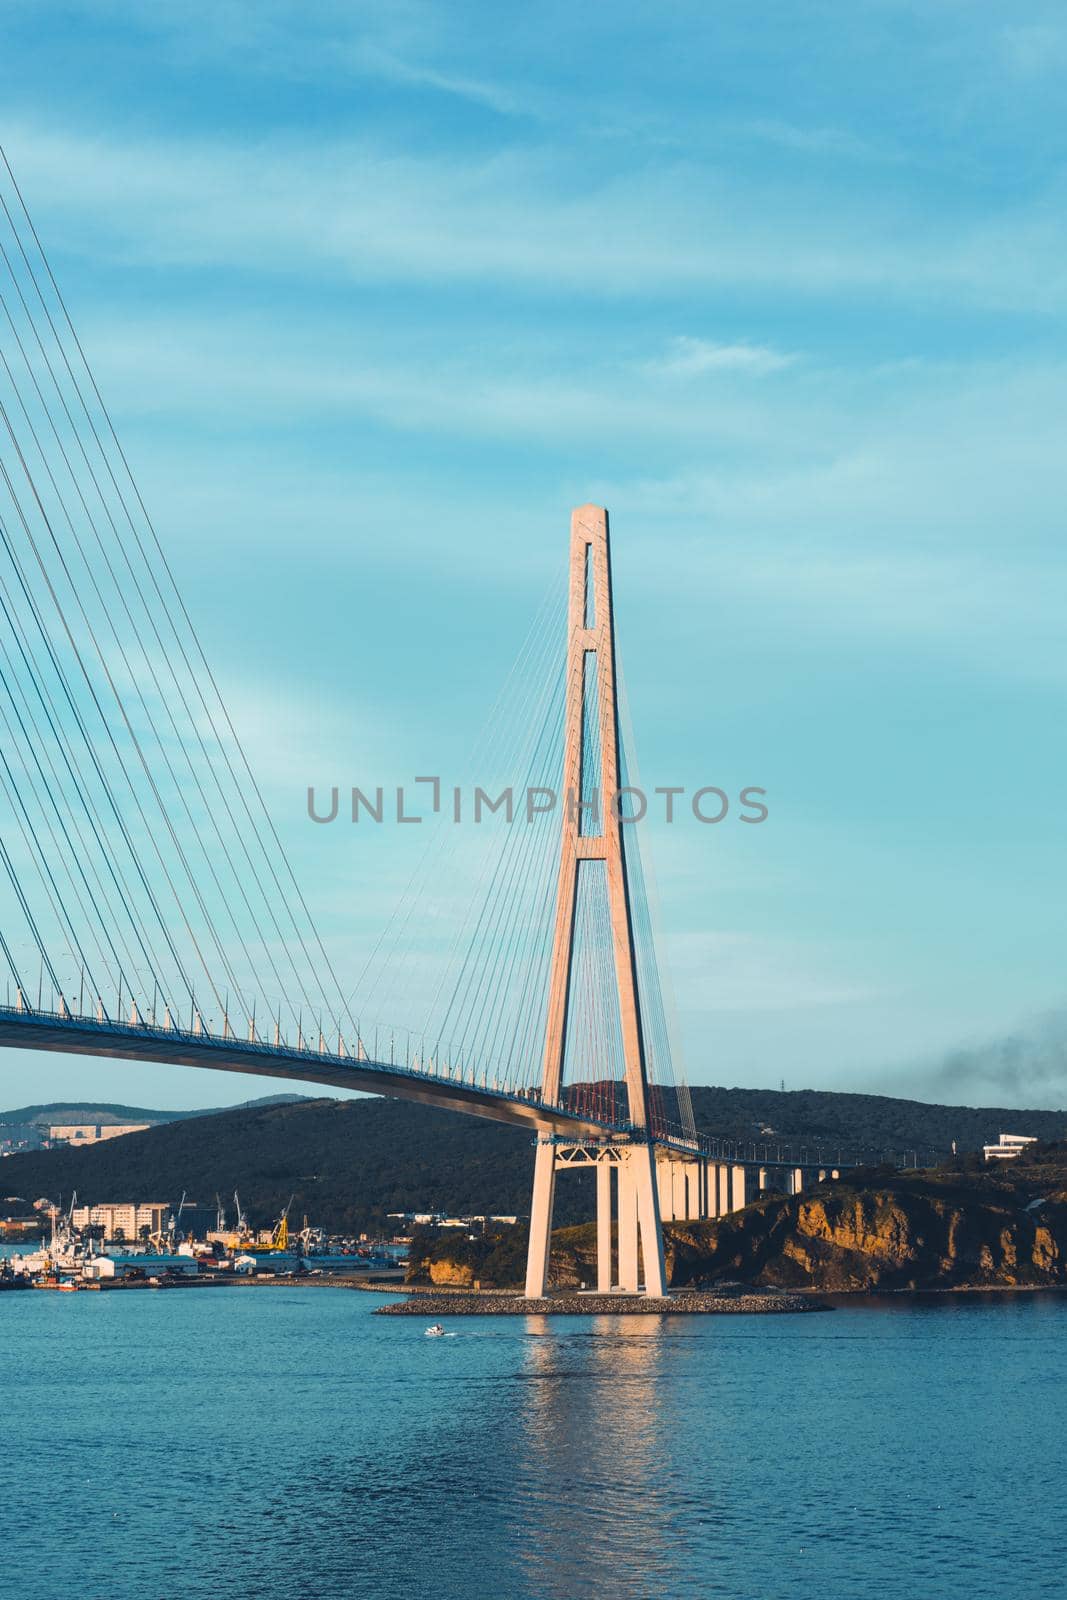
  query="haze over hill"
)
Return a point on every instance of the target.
[
  {"x": 1027, "y": 1064},
  {"x": 349, "y": 1162},
  {"x": 107, "y": 1112}
]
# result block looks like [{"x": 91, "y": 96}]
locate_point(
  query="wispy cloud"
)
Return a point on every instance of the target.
[
  {"x": 1036, "y": 49},
  {"x": 395, "y": 69},
  {"x": 404, "y": 44},
  {"x": 840, "y": 504},
  {"x": 814, "y": 140},
  {"x": 687, "y": 357},
  {"x": 360, "y": 211},
  {"x": 334, "y": 366}
]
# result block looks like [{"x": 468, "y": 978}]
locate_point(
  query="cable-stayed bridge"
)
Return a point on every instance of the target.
[{"x": 150, "y": 911}]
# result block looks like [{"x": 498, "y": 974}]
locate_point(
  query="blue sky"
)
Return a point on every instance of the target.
[{"x": 377, "y": 293}]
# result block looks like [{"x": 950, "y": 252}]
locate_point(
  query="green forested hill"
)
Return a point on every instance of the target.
[
  {"x": 872, "y": 1121},
  {"x": 101, "y": 1111},
  {"x": 348, "y": 1162}
]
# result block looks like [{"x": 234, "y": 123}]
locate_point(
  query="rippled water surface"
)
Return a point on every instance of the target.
[{"x": 284, "y": 1442}]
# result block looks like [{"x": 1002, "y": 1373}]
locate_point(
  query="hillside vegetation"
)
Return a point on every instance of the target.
[
  {"x": 349, "y": 1162},
  {"x": 346, "y": 1162},
  {"x": 105, "y": 1112}
]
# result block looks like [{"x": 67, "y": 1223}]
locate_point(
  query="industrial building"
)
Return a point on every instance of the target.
[
  {"x": 92, "y": 1132},
  {"x": 123, "y": 1221}
]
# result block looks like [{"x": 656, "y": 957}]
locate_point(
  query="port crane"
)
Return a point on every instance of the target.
[{"x": 279, "y": 1239}]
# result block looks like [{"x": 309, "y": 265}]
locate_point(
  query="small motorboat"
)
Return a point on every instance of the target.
[{"x": 435, "y": 1331}]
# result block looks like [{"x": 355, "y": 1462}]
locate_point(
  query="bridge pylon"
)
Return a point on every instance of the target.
[{"x": 592, "y": 839}]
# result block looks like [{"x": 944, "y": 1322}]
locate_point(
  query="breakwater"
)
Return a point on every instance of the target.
[{"x": 496, "y": 1303}]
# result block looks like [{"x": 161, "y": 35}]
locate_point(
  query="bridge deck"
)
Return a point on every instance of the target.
[
  {"x": 27, "y": 1029},
  {"x": 75, "y": 1035}
]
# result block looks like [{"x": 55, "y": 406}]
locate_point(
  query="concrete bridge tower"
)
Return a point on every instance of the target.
[{"x": 592, "y": 840}]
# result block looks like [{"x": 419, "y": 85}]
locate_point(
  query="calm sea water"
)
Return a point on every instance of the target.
[{"x": 285, "y": 1443}]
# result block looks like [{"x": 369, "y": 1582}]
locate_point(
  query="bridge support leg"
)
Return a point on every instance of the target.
[
  {"x": 643, "y": 1164},
  {"x": 541, "y": 1220},
  {"x": 627, "y": 1227},
  {"x": 737, "y": 1188},
  {"x": 603, "y": 1227},
  {"x": 694, "y": 1175},
  {"x": 679, "y": 1192},
  {"x": 665, "y": 1187}
]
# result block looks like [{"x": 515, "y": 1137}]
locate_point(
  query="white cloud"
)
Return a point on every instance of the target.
[
  {"x": 356, "y": 210},
  {"x": 394, "y": 69},
  {"x": 405, "y": 43},
  {"x": 858, "y": 505},
  {"x": 687, "y": 357}
]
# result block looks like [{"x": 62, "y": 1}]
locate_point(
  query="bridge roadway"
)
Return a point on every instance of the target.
[
  {"x": 141, "y": 1041},
  {"x": 27, "y": 1029}
]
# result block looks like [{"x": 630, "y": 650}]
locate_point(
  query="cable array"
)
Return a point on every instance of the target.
[
  {"x": 671, "y": 1102},
  {"x": 468, "y": 946},
  {"x": 140, "y": 844},
  {"x": 145, "y": 879}
]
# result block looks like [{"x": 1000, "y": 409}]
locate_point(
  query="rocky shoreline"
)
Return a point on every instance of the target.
[{"x": 725, "y": 1300}]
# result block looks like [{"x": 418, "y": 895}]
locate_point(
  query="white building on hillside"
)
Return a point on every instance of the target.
[{"x": 1010, "y": 1145}]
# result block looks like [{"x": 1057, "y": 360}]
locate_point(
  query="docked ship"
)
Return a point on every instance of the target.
[{"x": 69, "y": 1256}]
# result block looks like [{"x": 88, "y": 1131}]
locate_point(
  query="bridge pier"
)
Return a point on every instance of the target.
[
  {"x": 641, "y": 1160},
  {"x": 682, "y": 1186},
  {"x": 679, "y": 1193},
  {"x": 726, "y": 1188},
  {"x": 603, "y": 1227},
  {"x": 627, "y": 1229},
  {"x": 665, "y": 1189},
  {"x": 673, "y": 1180},
  {"x": 691, "y": 1190},
  {"x": 544, "y": 1190},
  {"x": 695, "y": 1184},
  {"x": 737, "y": 1188},
  {"x": 684, "y": 1191},
  {"x": 640, "y": 1238}
]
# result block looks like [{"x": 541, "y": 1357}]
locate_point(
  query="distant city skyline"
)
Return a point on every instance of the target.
[{"x": 389, "y": 293}]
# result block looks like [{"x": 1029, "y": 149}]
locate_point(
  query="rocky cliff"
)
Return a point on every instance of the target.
[{"x": 961, "y": 1225}]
